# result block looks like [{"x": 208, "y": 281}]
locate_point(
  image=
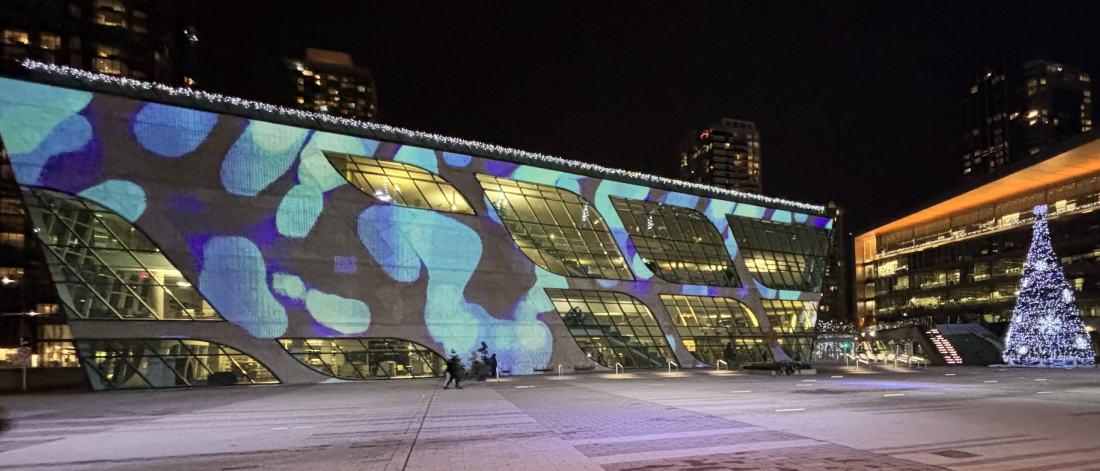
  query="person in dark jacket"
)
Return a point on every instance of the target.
[
  {"x": 454, "y": 368},
  {"x": 493, "y": 366}
]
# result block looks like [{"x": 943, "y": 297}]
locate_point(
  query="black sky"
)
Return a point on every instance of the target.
[{"x": 856, "y": 102}]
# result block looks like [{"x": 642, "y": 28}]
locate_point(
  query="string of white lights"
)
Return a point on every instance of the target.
[{"x": 423, "y": 136}]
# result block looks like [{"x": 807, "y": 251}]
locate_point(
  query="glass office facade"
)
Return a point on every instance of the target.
[
  {"x": 791, "y": 317},
  {"x": 104, "y": 268},
  {"x": 613, "y": 328},
  {"x": 160, "y": 363},
  {"x": 780, "y": 255},
  {"x": 557, "y": 229},
  {"x": 678, "y": 244},
  {"x": 399, "y": 183},
  {"x": 715, "y": 329},
  {"x": 366, "y": 358}
]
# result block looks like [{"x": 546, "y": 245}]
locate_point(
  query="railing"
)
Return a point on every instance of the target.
[
  {"x": 719, "y": 364},
  {"x": 619, "y": 368},
  {"x": 671, "y": 364}
]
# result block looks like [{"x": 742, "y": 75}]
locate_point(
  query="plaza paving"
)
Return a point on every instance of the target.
[{"x": 975, "y": 419}]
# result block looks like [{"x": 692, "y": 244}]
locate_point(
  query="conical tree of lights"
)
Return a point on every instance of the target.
[{"x": 1046, "y": 327}]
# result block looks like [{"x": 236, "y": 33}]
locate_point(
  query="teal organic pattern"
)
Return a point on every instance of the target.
[
  {"x": 288, "y": 285},
  {"x": 262, "y": 154},
  {"x": 31, "y": 111},
  {"x": 123, "y": 197},
  {"x": 419, "y": 157},
  {"x": 299, "y": 211},
  {"x": 234, "y": 279},
  {"x": 347, "y": 316}
]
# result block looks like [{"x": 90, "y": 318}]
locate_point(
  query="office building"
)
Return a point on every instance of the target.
[
  {"x": 130, "y": 38},
  {"x": 960, "y": 260},
  {"x": 233, "y": 243},
  {"x": 329, "y": 82},
  {"x": 726, "y": 155},
  {"x": 1057, "y": 104},
  {"x": 836, "y": 290},
  {"x": 1014, "y": 114}
]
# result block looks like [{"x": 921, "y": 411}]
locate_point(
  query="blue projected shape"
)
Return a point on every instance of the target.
[
  {"x": 288, "y": 285},
  {"x": 671, "y": 340},
  {"x": 234, "y": 279},
  {"x": 347, "y": 316},
  {"x": 694, "y": 290},
  {"x": 800, "y": 218},
  {"x": 33, "y": 110},
  {"x": 169, "y": 131},
  {"x": 611, "y": 217},
  {"x": 781, "y": 216},
  {"x": 457, "y": 160},
  {"x": 682, "y": 200},
  {"x": 418, "y": 156},
  {"x": 69, "y": 135},
  {"x": 123, "y": 197},
  {"x": 402, "y": 240},
  {"x": 409, "y": 238},
  {"x": 299, "y": 210},
  {"x": 344, "y": 265},
  {"x": 716, "y": 211},
  {"x": 749, "y": 211},
  {"x": 262, "y": 154}
]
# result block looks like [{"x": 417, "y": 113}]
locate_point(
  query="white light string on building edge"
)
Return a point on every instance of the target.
[{"x": 445, "y": 140}]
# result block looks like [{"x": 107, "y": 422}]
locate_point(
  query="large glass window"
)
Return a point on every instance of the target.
[
  {"x": 791, "y": 316},
  {"x": 715, "y": 329},
  {"x": 159, "y": 363},
  {"x": 613, "y": 328},
  {"x": 399, "y": 183},
  {"x": 678, "y": 244},
  {"x": 782, "y": 256},
  {"x": 557, "y": 229},
  {"x": 104, "y": 268},
  {"x": 366, "y": 358}
]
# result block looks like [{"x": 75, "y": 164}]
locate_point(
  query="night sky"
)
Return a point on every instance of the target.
[{"x": 857, "y": 102}]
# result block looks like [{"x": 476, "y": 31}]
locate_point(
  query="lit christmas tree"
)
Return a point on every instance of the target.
[{"x": 1046, "y": 327}]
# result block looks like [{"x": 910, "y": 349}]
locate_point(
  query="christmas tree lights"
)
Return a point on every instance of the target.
[{"x": 1046, "y": 327}]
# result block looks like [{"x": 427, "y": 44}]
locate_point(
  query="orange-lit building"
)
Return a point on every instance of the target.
[{"x": 961, "y": 258}]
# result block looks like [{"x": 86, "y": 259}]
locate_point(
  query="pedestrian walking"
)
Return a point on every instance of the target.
[{"x": 454, "y": 368}]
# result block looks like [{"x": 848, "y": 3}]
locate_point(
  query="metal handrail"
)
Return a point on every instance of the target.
[
  {"x": 619, "y": 368},
  {"x": 719, "y": 364},
  {"x": 670, "y": 365},
  {"x": 559, "y": 371}
]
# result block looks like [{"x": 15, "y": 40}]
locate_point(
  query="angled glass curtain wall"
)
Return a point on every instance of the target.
[
  {"x": 714, "y": 328},
  {"x": 400, "y": 184},
  {"x": 782, "y": 256},
  {"x": 613, "y": 328},
  {"x": 557, "y": 229},
  {"x": 104, "y": 268},
  {"x": 160, "y": 363},
  {"x": 678, "y": 244},
  {"x": 366, "y": 358},
  {"x": 791, "y": 317}
]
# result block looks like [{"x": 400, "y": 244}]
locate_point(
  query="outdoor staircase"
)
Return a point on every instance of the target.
[{"x": 945, "y": 349}]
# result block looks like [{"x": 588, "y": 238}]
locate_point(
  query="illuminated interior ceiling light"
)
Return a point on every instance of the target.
[{"x": 428, "y": 138}]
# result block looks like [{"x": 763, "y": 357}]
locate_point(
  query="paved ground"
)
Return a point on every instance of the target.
[{"x": 944, "y": 418}]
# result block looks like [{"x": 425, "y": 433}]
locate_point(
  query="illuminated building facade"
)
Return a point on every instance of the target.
[
  {"x": 963, "y": 257},
  {"x": 203, "y": 240},
  {"x": 726, "y": 155},
  {"x": 129, "y": 38},
  {"x": 329, "y": 82}
]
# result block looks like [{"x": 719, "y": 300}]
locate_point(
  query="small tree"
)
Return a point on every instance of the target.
[{"x": 1046, "y": 327}]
